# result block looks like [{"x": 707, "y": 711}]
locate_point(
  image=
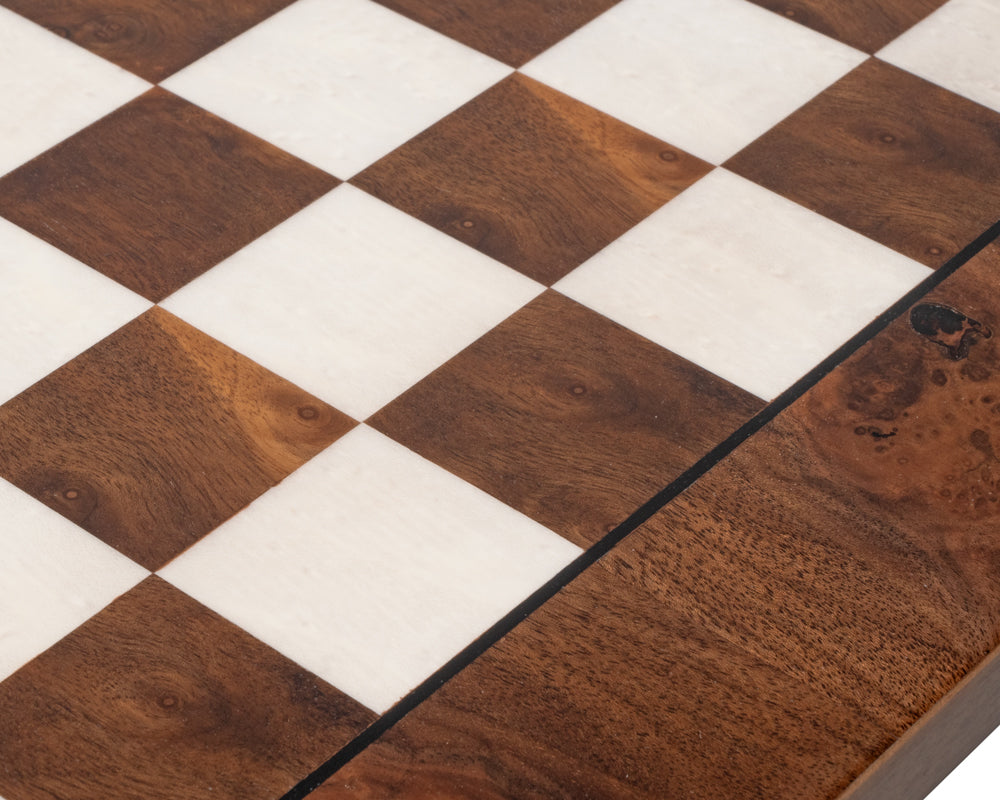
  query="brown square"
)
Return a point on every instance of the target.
[
  {"x": 889, "y": 155},
  {"x": 512, "y": 31},
  {"x": 531, "y": 177},
  {"x": 868, "y": 25},
  {"x": 158, "y": 434},
  {"x": 152, "y": 38},
  {"x": 157, "y": 192},
  {"x": 158, "y": 697},
  {"x": 566, "y": 416}
]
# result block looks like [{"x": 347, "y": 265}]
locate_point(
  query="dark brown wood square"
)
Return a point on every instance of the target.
[
  {"x": 531, "y": 177},
  {"x": 158, "y": 434},
  {"x": 566, "y": 416},
  {"x": 157, "y": 192},
  {"x": 512, "y": 31},
  {"x": 152, "y": 38},
  {"x": 889, "y": 155},
  {"x": 160, "y": 698},
  {"x": 868, "y": 25}
]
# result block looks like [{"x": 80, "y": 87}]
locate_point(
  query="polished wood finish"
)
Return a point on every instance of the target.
[
  {"x": 924, "y": 756},
  {"x": 158, "y": 434},
  {"x": 777, "y": 627},
  {"x": 531, "y": 177},
  {"x": 609, "y": 692},
  {"x": 152, "y": 38},
  {"x": 160, "y": 698},
  {"x": 513, "y": 31},
  {"x": 566, "y": 416},
  {"x": 157, "y": 192},
  {"x": 889, "y": 155},
  {"x": 868, "y": 25}
]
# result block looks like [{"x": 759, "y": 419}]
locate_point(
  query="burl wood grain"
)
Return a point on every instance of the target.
[
  {"x": 778, "y": 626},
  {"x": 157, "y": 435},
  {"x": 566, "y": 416},
  {"x": 512, "y": 31},
  {"x": 157, "y": 192},
  {"x": 152, "y": 38},
  {"x": 160, "y": 698},
  {"x": 531, "y": 177},
  {"x": 868, "y": 25},
  {"x": 889, "y": 155}
]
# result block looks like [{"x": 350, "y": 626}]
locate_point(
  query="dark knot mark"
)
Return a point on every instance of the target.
[
  {"x": 949, "y": 328},
  {"x": 980, "y": 439},
  {"x": 875, "y": 433}
]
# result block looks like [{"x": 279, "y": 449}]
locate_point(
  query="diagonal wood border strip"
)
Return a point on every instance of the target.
[{"x": 427, "y": 689}]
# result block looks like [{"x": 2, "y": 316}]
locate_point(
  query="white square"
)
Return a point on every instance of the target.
[
  {"x": 53, "y": 577},
  {"x": 339, "y": 83},
  {"x": 743, "y": 282},
  {"x": 352, "y": 300},
  {"x": 52, "y": 308},
  {"x": 955, "y": 47},
  {"x": 50, "y": 89},
  {"x": 708, "y": 76},
  {"x": 370, "y": 566}
]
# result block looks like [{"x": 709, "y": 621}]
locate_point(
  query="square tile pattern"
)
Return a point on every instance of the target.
[
  {"x": 44, "y": 322},
  {"x": 865, "y": 24},
  {"x": 368, "y": 326},
  {"x": 715, "y": 76},
  {"x": 512, "y": 32},
  {"x": 339, "y": 84},
  {"x": 952, "y": 48},
  {"x": 154, "y": 218},
  {"x": 152, "y": 38},
  {"x": 203, "y": 707},
  {"x": 51, "y": 89},
  {"x": 352, "y": 299},
  {"x": 157, "y": 434},
  {"x": 917, "y": 172},
  {"x": 476, "y": 175},
  {"x": 536, "y": 410},
  {"x": 738, "y": 304},
  {"x": 444, "y": 559}
]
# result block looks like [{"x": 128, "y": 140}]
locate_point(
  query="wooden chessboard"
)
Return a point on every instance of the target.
[{"x": 497, "y": 398}]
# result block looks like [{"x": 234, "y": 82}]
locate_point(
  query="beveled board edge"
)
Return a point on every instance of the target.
[{"x": 936, "y": 743}]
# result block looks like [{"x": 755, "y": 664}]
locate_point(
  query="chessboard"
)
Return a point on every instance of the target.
[{"x": 498, "y": 398}]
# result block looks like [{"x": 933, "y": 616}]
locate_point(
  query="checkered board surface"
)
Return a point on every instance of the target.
[{"x": 333, "y": 329}]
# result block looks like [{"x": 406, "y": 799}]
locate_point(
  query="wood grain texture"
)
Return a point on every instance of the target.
[
  {"x": 889, "y": 155},
  {"x": 152, "y": 38},
  {"x": 512, "y": 31},
  {"x": 853, "y": 542},
  {"x": 566, "y": 416},
  {"x": 778, "y": 626},
  {"x": 531, "y": 177},
  {"x": 924, "y": 756},
  {"x": 609, "y": 692},
  {"x": 157, "y": 192},
  {"x": 868, "y": 25},
  {"x": 160, "y": 698},
  {"x": 158, "y": 434}
]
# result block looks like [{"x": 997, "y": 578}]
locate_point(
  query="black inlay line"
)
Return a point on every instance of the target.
[{"x": 601, "y": 548}]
